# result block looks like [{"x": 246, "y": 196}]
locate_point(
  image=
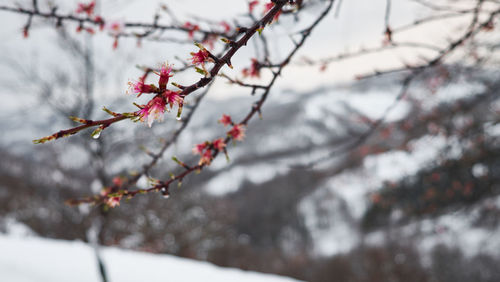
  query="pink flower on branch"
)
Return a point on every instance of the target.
[
  {"x": 219, "y": 144},
  {"x": 199, "y": 148},
  {"x": 86, "y": 8},
  {"x": 164, "y": 75},
  {"x": 154, "y": 110},
  {"x": 200, "y": 57},
  {"x": 253, "y": 71},
  {"x": 206, "y": 158},
  {"x": 115, "y": 27},
  {"x": 172, "y": 98},
  {"x": 225, "y": 120},
  {"x": 237, "y": 132},
  {"x": 226, "y": 26},
  {"x": 139, "y": 87},
  {"x": 191, "y": 28}
]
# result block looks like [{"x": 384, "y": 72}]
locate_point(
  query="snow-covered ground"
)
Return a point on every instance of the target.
[{"x": 27, "y": 259}]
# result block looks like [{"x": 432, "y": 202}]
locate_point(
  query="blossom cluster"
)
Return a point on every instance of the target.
[
  {"x": 115, "y": 28},
  {"x": 164, "y": 100},
  {"x": 207, "y": 149}
]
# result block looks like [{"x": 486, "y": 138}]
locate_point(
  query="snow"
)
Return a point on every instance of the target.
[
  {"x": 352, "y": 187},
  {"x": 26, "y": 259},
  {"x": 231, "y": 180}
]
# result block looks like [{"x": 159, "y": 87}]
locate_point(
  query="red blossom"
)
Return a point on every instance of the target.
[
  {"x": 199, "y": 148},
  {"x": 115, "y": 27},
  {"x": 219, "y": 144},
  {"x": 206, "y": 158},
  {"x": 172, "y": 98},
  {"x": 191, "y": 29},
  {"x": 226, "y": 26},
  {"x": 253, "y": 71},
  {"x": 237, "y": 132},
  {"x": 199, "y": 57},
  {"x": 139, "y": 87},
  {"x": 100, "y": 21},
  {"x": 115, "y": 43},
  {"x": 164, "y": 75},
  {"x": 225, "y": 120},
  {"x": 86, "y": 8},
  {"x": 154, "y": 110}
]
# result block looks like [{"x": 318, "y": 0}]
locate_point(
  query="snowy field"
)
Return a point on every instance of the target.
[{"x": 43, "y": 260}]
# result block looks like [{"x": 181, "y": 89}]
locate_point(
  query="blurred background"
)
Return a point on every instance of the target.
[{"x": 342, "y": 179}]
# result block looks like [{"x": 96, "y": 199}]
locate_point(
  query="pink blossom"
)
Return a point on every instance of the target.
[
  {"x": 253, "y": 71},
  {"x": 113, "y": 201},
  {"x": 164, "y": 75},
  {"x": 237, "y": 132},
  {"x": 139, "y": 87},
  {"x": 199, "y": 57},
  {"x": 191, "y": 28},
  {"x": 225, "y": 120},
  {"x": 86, "y": 8},
  {"x": 115, "y": 27},
  {"x": 172, "y": 98},
  {"x": 199, "y": 148},
  {"x": 219, "y": 144},
  {"x": 154, "y": 110},
  {"x": 100, "y": 21},
  {"x": 206, "y": 158},
  {"x": 226, "y": 26}
]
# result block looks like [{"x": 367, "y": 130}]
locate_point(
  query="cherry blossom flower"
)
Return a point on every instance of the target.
[
  {"x": 219, "y": 144},
  {"x": 100, "y": 21},
  {"x": 86, "y": 8},
  {"x": 199, "y": 57},
  {"x": 172, "y": 98},
  {"x": 226, "y": 26},
  {"x": 237, "y": 132},
  {"x": 164, "y": 75},
  {"x": 139, "y": 87},
  {"x": 225, "y": 120},
  {"x": 253, "y": 71},
  {"x": 191, "y": 29},
  {"x": 115, "y": 27},
  {"x": 154, "y": 110},
  {"x": 206, "y": 158},
  {"x": 199, "y": 148}
]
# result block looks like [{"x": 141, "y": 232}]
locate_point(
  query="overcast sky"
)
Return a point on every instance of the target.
[{"x": 360, "y": 23}]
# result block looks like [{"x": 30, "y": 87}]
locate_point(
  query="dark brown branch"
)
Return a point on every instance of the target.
[{"x": 163, "y": 186}]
